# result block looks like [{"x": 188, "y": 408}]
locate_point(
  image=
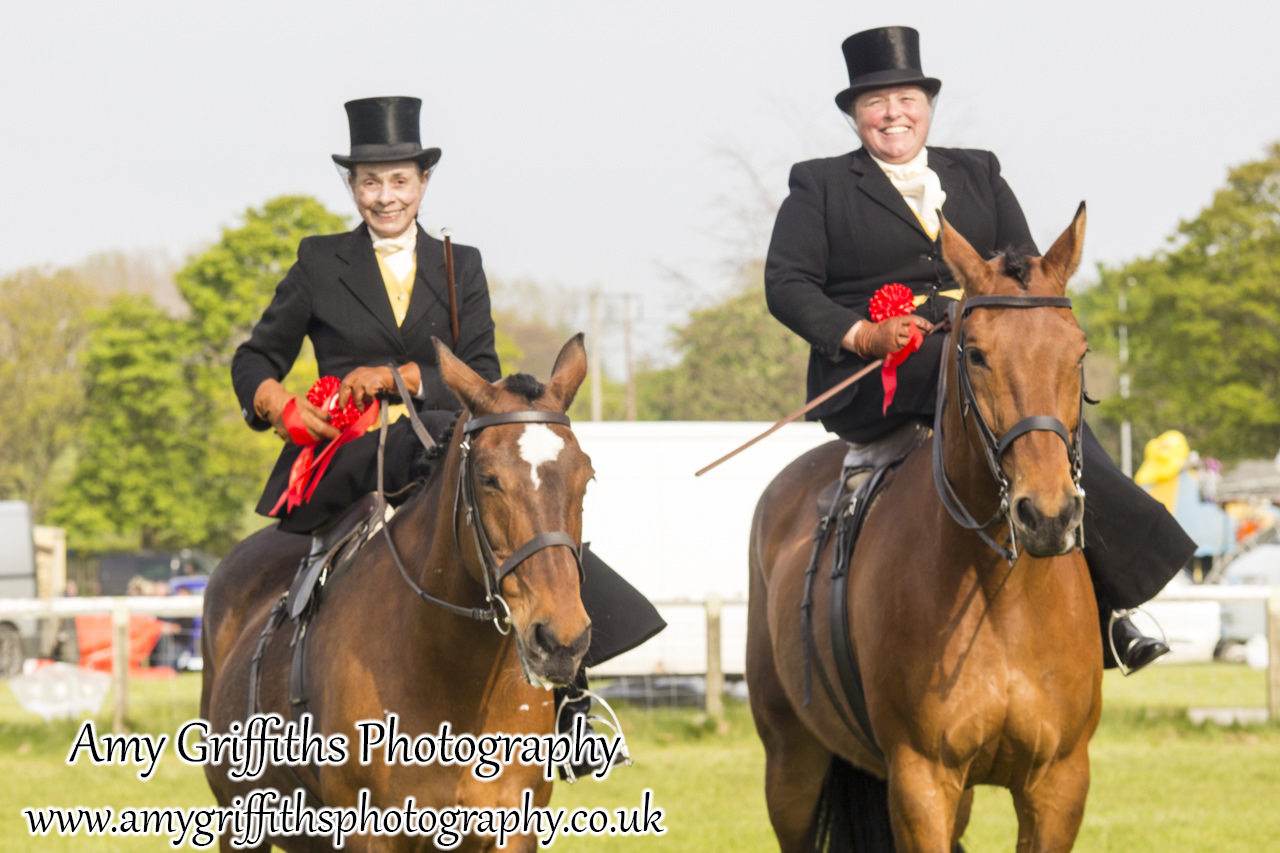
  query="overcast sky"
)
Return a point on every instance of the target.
[{"x": 599, "y": 144}]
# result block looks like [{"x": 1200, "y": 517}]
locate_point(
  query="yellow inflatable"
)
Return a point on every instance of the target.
[{"x": 1162, "y": 461}]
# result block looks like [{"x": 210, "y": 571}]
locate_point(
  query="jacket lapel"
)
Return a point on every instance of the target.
[
  {"x": 950, "y": 176},
  {"x": 430, "y": 287},
  {"x": 361, "y": 275},
  {"x": 875, "y": 184}
]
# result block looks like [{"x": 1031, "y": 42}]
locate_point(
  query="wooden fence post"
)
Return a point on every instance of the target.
[
  {"x": 715, "y": 673},
  {"x": 120, "y": 664}
]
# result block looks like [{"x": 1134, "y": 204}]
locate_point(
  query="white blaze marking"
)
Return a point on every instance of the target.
[{"x": 539, "y": 444}]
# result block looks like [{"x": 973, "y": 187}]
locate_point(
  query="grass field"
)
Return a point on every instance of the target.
[{"x": 1159, "y": 782}]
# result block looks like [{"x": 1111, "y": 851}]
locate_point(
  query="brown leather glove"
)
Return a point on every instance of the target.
[
  {"x": 876, "y": 340},
  {"x": 269, "y": 402},
  {"x": 365, "y": 383}
]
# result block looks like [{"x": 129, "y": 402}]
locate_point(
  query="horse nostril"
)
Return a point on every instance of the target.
[
  {"x": 543, "y": 638},
  {"x": 1027, "y": 514}
]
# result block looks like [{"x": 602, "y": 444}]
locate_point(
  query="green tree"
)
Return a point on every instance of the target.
[
  {"x": 737, "y": 363},
  {"x": 44, "y": 326},
  {"x": 138, "y": 470},
  {"x": 167, "y": 459},
  {"x": 1203, "y": 318},
  {"x": 229, "y": 286}
]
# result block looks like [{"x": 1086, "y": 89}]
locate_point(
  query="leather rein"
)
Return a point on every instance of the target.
[
  {"x": 466, "y": 506},
  {"x": 994, "y": 448}
]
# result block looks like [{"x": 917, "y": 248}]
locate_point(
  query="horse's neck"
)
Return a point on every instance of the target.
[
  {"x": 453, "y": 647},
  {"x": 430, "y": 525}
]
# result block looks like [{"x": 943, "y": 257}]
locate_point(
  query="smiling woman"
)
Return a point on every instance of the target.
[
  {"x": 388, "y": 195},
  {"x": 367, "y": 299},
  {"x": 893, "y": 123},
  {"x": 869, "y": 218}
]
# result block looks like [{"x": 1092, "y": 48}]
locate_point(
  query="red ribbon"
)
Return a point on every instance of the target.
[
  {"x": 894, "y": 300},
  {"x": 309, "y": 467}
]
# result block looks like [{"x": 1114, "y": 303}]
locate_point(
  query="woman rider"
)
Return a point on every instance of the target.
[
  {"x": 862, "y": 220},
  {"x": 367, "y": 298},
  {"x": 375, "y": 296}
]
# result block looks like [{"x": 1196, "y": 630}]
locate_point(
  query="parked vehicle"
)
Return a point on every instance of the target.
[
  {"x": 19, "y": 638},
  {"x": 1244, "y": 620},
  {"x": 116, "y": 571}
]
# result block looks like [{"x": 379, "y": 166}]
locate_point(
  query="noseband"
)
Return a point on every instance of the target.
[
  {"x": 465, "y": 503},
  {"x": 993, "y": 448}
]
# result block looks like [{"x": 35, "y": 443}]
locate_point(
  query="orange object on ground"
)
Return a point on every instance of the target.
[{"x": 93, "y": 635}]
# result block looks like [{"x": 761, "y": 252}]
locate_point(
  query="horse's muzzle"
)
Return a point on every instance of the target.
[
  {"x": 1047, "y": 534},
  {"x": 549, "y": 661}
]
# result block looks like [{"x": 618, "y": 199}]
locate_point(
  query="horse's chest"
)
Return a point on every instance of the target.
[{"x": 1011, "y": 726}]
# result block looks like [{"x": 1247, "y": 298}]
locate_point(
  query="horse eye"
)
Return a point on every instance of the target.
[
  {"x": 490, "y": 482},
  {"x": 975, "y": 357}
]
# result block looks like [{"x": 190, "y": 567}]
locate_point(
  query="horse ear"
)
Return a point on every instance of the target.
[
  {"x": 973, "y": 273},
  {"x": 1063, "y": 257},
  {"x": 567, "y": 375},
  {"x": 470, "y": 387}
]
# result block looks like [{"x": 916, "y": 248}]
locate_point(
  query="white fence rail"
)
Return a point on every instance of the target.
[
  {"x": 120, "y": 608},
  {"x": 706, "y": 636}
]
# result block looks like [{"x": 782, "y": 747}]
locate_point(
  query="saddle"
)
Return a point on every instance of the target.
[
  {"x": 842, "y": 508},
  {"x": 333, "y": 549}
]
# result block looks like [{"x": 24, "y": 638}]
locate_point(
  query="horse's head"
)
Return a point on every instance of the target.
[
  {"x": 527, "y": 479},
  {"x": 1023, "y": 369}
]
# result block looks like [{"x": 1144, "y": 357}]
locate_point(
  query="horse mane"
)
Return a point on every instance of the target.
[
  {"x": 1017, "y": 266},
  {"x": 424, "y": 460},
  {"x": 520, "y": 384}
]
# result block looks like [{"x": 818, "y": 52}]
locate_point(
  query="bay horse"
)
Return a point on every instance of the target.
[
  {"x": 374, "y": 644},
  {"x": 980, "y": 665}
]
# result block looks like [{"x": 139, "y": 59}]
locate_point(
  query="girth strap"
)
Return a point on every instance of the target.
[
  {"x": 845, "y": 520},
  {"x": 841, "y": 636},
  {"x": 274, "y": 618}
]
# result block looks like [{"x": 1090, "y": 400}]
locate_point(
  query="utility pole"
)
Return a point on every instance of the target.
[
  {"x": 597, "y": 384},
  {"x": 631, "y": 367},
  {"x": 1126, "y": 428}
]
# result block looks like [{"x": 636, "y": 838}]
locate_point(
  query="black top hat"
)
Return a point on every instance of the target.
[
  {"x": 885, "y": 56},
  {"x": 384, "y": 130}
]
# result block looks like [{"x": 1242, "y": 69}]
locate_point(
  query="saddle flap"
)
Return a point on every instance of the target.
[
  {"x": 887, "y": 450},
  {"x": 327, "y": 543}
]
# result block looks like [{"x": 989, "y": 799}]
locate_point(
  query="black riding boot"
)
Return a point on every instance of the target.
[{"x": 1132, "y": 649}]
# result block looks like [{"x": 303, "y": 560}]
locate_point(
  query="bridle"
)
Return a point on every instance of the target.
[
  {"x": 467, "y": 508},
  {"x": 993, "y": 448}
]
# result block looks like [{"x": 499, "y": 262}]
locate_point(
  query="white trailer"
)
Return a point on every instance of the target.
[{"x": 680, "y": 539}]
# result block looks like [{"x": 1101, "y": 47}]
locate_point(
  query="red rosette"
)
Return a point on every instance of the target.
[
  {"x": 310, "y": 466},
  {"x": 324, "y": 392},
  {"x": 324, "y": 396},
  {"x": 892, "y": 300}
]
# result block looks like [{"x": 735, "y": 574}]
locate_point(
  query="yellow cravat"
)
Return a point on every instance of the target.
[{"x": 398, "y": 291}]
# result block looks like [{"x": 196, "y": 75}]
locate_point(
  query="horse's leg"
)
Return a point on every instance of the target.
[
  {"x": 795, "y": 761},
  {"x": 1051, "y": 808},
  {"x": 795, "y": 765},
  {"x": 923, "y": 803},
  {"x": 963, "y": 812}
]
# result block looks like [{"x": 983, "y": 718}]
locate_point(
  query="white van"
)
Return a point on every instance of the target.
[{"x": 19, "y": 638}]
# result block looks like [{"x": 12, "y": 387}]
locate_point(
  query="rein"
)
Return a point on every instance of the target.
[
  {"x": 465, "y": 499},
  {"x": 993, "y": 449}
]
